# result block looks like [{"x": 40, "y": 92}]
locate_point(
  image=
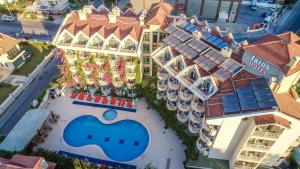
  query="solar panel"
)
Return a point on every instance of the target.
[
  {"x": 217, "y": 42},
  {"x": 189, "y": 27},
  {"x": 231, "y": 109},
  {"x": 170, "y": 29},
  {"x": 196, "y": 28},
  {"x": 223, "y": 45},
  {"x": 212, "y": 39},
  {"x": 248, "y": 106},
  {"x": 266, "y": 104},
  {"x": 184, "y": 24},
  {"x": 206, "y": 35},
  {"x": 230, "y": 103}
]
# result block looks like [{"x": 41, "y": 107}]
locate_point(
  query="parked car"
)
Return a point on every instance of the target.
[{"x": 7, "y": 18}]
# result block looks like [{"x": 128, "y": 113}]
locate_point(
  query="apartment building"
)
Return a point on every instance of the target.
[
  {"x": 106, "y": 47},
  {"x": 221, "y": 10},
  {"x": 236, "y": 97},
  {"x": 11, "y": 55}
]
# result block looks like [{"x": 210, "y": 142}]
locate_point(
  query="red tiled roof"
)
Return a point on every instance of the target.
[
  {"x": 277, "y": 50},
  {"x": 288, "y": 104},
  {"x": 7, "y": 43},
  {"x": 271, "y": 119},
  {"x": 158, "y": 14}
]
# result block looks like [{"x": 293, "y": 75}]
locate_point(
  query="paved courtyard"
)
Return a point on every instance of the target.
[{"x": 163, "y": 144}]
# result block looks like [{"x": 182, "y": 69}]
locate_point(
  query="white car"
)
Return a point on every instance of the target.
[{"x": 7, "y": 18}]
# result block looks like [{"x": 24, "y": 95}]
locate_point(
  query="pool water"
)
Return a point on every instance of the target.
[
  {"x": 110, "y": 114},
  {"x": 121, "y": 141}
]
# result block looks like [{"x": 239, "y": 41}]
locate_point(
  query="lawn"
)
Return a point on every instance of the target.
[
  {"x": 205, "y": 162},
  {"x": 5, "y": 90},
  {"x": 39, "y": 51}
]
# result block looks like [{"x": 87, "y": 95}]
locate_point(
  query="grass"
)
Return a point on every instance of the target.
[
  {"x": 5, "y": 90},
  {"x": 205, "y": 162},
  {"x": 39, "y": 51}
]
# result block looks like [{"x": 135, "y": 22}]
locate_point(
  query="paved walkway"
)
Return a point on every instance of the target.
[{"x": 163, "y": 144}]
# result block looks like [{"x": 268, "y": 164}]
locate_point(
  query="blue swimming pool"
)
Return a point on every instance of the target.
[
  {"x": 121, "y": 141},
  {"x": 110, "y": 114}
]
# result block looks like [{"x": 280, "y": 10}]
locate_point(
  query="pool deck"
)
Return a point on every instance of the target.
[{"x": 163, "y": 144}]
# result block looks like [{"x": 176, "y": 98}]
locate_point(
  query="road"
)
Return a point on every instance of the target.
[
  {"x": 22, "y": 103},
  {"x": 42, "y": 30}
]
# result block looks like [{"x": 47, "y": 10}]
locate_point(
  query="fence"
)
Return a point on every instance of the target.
[{"x": 12, "y": 97}]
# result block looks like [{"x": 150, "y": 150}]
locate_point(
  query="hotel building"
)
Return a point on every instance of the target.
[
  {"x": 237, "y": 97},
  {"x": 11, "y": 55},
  {"x": 119, "y": 43}
]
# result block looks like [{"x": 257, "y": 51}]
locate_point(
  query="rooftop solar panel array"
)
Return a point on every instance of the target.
[
  {"x": 170, "y": 29},
  {"x": 198, "y": 45},
  {"x": 181, "y": 35},
  {"x": 210, "y": 60},
  {"x": 215, "y": 41},
  {"x": 172, "y": 41},
  {"x": 256, "y": 95},
  {"x": 186, "y": 51},
  {"x": 228, "y": 69},
  {"x": 188, "y": 26}
]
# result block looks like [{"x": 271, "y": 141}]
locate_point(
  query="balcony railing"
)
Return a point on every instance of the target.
[
  {"x": 194, "y": 127},
  {"x": 173, "y": 84},
  {"x": 260, "y": 147},
  {"x": 161, "y": 95},
  {"x": 186, "y": 95},
  {"x": 162, "y": 75},
  {"x": 196, "y": 117},
  {"x": 117, "y": 83},
  {"x": 162, "y": 85},
  {"x": 250, "y": 158},
  {"x": 172, "y": 95},
  {"x": 182, "y": 116},
  {"x": 197, "y": 106},
  {"x": 266, "y": 134},
  {"x": 184, "y": 106},
  {"x": 202, "y": 147},
  {"x": 171, "y": 105}
]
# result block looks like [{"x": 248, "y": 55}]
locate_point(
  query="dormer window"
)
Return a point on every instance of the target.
[
  {"x": 113, "y": 44},
  {"x": 82, "y": 40},
  {"x": 129, "y": 45},
  {"x": 67, "y": 39},
  {"x": 96, "y": 42}
]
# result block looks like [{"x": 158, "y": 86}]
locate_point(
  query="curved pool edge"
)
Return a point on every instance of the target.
[{"x": 99, "y": 147}]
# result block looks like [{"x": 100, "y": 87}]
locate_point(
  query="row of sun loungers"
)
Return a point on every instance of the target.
[{"x": 102, "y": 99}]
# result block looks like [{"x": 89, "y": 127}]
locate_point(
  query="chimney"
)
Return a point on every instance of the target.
[
  {"x": 82, "y": 14},
  {"x": 142, "y": 17},
  {"x": 112, "y": 16}
]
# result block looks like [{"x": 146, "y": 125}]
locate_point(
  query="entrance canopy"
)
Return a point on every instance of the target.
[{"x": 24, "y": 130}]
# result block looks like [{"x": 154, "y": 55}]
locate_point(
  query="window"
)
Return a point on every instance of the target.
[
  {"x": 12, "y": 53},
  {"x": 162, "y": 36},
  {"x": 146, "y": 70},
  {"x": 146, "y": 59},
  {"x": 146, "y": 36},
  {"x": 154, "y": 37},
  {"x": 146, "y": 48},
  {"x": 154, "y": 46}
]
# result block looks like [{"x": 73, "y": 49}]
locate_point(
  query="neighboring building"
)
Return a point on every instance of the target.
[
  {"x": 207, "y": 79},
  {"x": 50, "y": 6},
  {"x": 222, "y": 10},
  {"x": 29, "y": 162},
  {"x": 11, "y": 55},
  {"x": 117, "y": 40}
]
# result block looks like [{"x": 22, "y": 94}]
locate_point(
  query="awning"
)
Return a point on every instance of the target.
[{"x": 18, "y": 138}]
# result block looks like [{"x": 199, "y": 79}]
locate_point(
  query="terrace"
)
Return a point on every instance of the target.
[
  {"x": 190, "y": 75},
  {"x": 206, "y": 87},
  {"x": 163, "y": 57},
  {"x": 113, "y": 45},
  {"x": 259, "y": 144},
  {"x": 176, "y": 65},
  {"x": 129, "y": 46}
]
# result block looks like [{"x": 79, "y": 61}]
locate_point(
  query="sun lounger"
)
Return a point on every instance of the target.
[
  {"x": 89, "y": 98},
  {"x": 104, "y": 101},
  {"x": 73, "y": 95},
  {"x": 81, "y": 96},
  {"x": 129, "y": 103},
  {"x": 97, "y": 99},
  {"x": 113, "y": 101}
]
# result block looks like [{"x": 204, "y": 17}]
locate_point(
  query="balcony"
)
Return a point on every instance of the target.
[
  {"x": 130, "y": 64},
  {"x": 186, "y": 94},
  {"x": 130, "y": 74},
  {"x": 258, "y": 147},
  {"x": 128, "y": 48},
  {"x": 162, "y": 74},
  {"x": 89, "y": 80},
  {"x": 81, "y": 43},
  {"x": 112, "y": 47},
  {"x": 206, "y": 87},
  {"x": 251, "y": 156},
  {"x": 171, "y": 105},
  {"x": 190, "y": 76},
  {"x": 197, "y": 105},
  {"x": 194, "y": 128},
  {"x": 130, "y": 83},
  {"x": 87, "y": 70},
  {"x": 117, "y": 82},
  {"x": 202, "y": 147},
  {"x": 196, "y": 117},
  {"x": 106, "y": 90},
  {"x": 73, "y": 69},
  {"x": 71, "y": 58},
  {"x": 162, "y": 85},
  {"x": 172, "y": 95},
  {"x": 161, "y": 95},
  {"x": 184, "y": 105},
  {"x": 266, "y": 134},
  {"x": 182, "y": 116},
  {"x": 96, "y": 45},
  {"x": 164, "y": 57},
  {"x": 99, "y": 60},
  {"x": 206, "y": 137},
  {"x": 173, "y": 84},
  {"x": 244, "y": 165}
]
